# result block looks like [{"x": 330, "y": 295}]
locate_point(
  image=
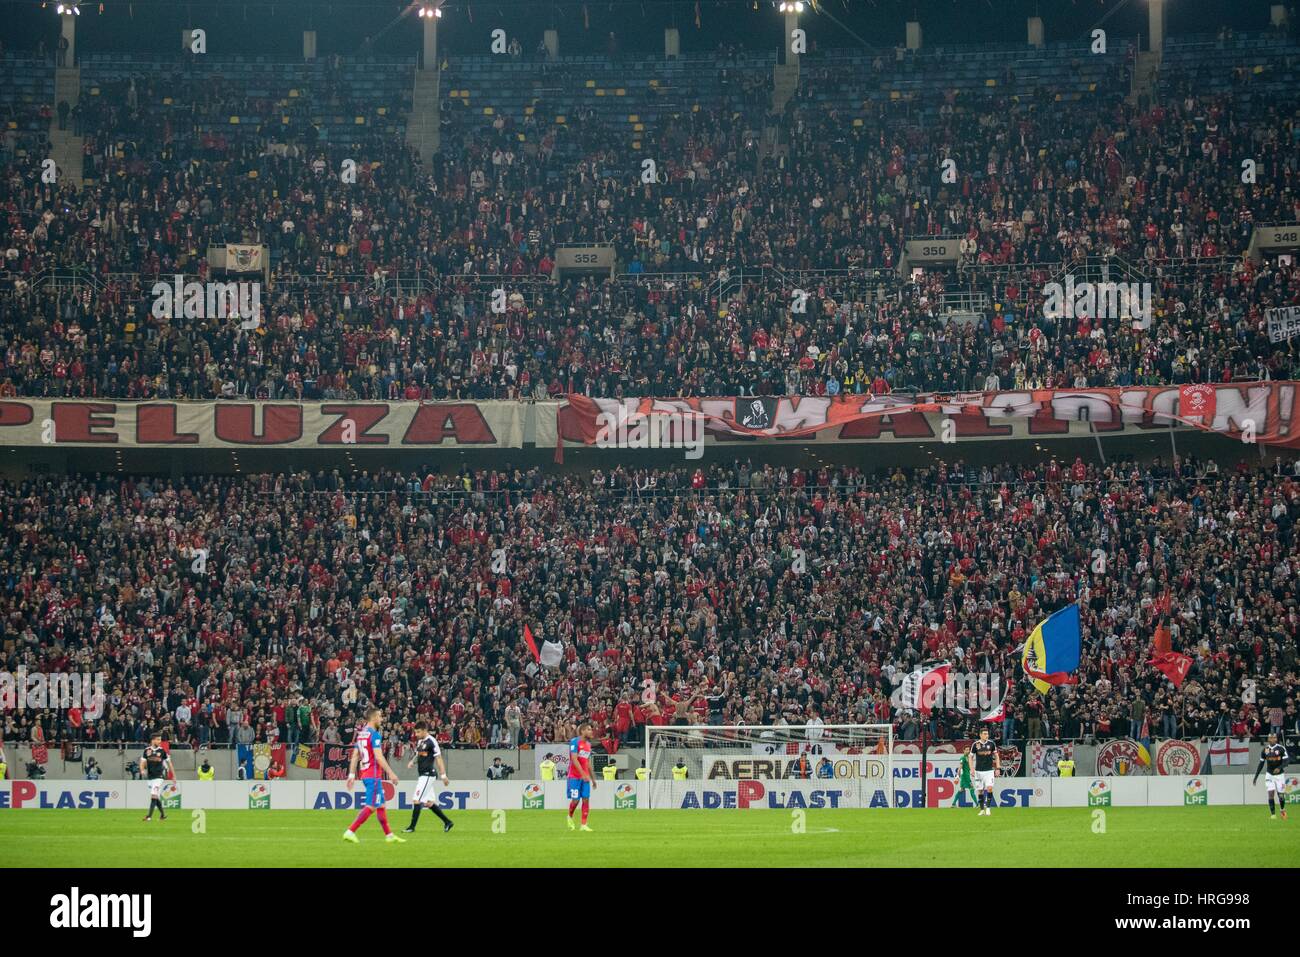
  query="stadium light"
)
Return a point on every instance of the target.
[
  {"x": 431, "y": 11},
  {"x": 790, "y": 7},
  {"x": 70, "y": 9}
]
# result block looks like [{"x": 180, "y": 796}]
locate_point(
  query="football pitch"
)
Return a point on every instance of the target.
[{"x": 1023, "y": 837}]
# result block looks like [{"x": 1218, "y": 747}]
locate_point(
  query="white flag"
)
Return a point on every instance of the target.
[
  {"x": 1228, "y": 751},
  {"x": 552, "y": 654}
]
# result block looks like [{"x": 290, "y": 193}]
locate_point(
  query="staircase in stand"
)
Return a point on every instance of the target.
[
  {"x": 422, "y": 126},
  {"x": 65, "y": 146}
]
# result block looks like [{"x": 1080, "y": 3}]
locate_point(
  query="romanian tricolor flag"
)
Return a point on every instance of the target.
[{"x": 1052, "y": 651}]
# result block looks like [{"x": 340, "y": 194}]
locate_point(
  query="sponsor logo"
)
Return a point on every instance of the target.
[
  {"x": 534, "y": 797},
  {"x": 1099, "y": 793},
  {"x": 1177, "y": 758},
  {"x": 1195, "y": 792},
  {"x": 28, "y": 794},
  {"x": 941, "y": 792},
  {"x": 625, "y": 797},
  {"x": 951, "y": 751},
  {"x": 1120, "y": 757},
  {"x": 1292, "y": 783},
  {"x": 171, "y": 796},
  {"x": 77, "y": 910},
  {"x": 747, "y": 795},
  {"x": 341, "y": 800},
  {"x": 775, "y": 769},
  {"x": 754, "y": 794},
  {"x": 259, "y": 797}
]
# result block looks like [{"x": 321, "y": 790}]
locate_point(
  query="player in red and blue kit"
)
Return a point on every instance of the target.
[
  {"x": 581, "y": 780},
  {"x": 368, "y": 759}
]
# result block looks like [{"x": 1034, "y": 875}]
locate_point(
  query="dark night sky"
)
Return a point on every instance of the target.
[{"x": 269, "y": 28}]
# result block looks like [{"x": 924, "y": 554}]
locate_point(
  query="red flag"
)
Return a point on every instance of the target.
[
  {"x": 1162, "y": 640},
  {"x": 923, "y": 687},
  {"x": 1197, "y": 401},
  {"x": 1173, "y": 666},
  {"x": 532, "y": 645},
  {"x": 998, "y": 714}
]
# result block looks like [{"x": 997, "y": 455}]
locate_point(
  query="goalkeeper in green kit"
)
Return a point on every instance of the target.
[{"x": 964, "y": 785}]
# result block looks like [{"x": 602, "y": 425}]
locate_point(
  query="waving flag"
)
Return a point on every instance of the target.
[
  {"x": 998, "y": 714},
  {"x": 1173, "y": 666},
  {"x": 532, "y": 645},
  {"x": 923, "y": 687},
  {"x": 552, "y": 654},
  {"x": 1051, "y": 652}
]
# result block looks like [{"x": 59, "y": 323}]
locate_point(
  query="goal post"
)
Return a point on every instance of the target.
[{"x": 691, "y": 765}]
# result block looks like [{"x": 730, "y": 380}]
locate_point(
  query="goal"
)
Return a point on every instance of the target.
[{"x": 854, "y": 761}]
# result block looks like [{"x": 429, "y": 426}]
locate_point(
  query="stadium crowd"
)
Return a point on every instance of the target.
[
  {"x": 275, "y": 607},
  {"x": 675, "y": 595},
  {"x": 381, "y": 288}
]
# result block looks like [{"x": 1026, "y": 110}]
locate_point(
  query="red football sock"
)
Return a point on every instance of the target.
[
  {"x": 584, "y": 810},
  {"x": 572, "y": 807},
  {"x": 382, "y": 814},
  {"x": 361, "y": 818}
]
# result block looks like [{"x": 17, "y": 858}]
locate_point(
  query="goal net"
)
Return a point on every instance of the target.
[{"x": 782, "y": 766}]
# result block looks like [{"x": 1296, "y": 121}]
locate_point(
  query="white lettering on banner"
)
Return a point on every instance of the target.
[
  {"x": 1283, "y": 323},
  {"x": 1270, "y": 406}
]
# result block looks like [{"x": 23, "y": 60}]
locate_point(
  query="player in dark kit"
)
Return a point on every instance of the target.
[
  {"x": 432, "y": 768},
  {"x": 987, "y": 763},
  {"x": 155, "y": 766},
  {"x": 1275, "y": 757}
]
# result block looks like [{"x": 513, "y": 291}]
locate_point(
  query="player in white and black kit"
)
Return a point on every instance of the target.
[
  {"x": 155, "y": 766},
  {"x": 987, "y": 763},
  {"x": 1274, "y": 756},
  {"x": 432, "y": 769}
]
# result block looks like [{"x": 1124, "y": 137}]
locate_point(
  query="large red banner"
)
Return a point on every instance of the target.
[{"x": 1251, "y": 412}]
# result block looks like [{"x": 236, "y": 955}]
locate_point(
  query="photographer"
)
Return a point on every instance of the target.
[{"x": 499, "y": 772}]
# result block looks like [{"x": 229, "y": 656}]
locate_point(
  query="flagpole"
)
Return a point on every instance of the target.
[{"x": 925, "y": 742}]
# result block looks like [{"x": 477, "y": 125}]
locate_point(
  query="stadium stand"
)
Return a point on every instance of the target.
[
  {"x": 374, "y": 586},
  {"x": 377, "y": 587}
]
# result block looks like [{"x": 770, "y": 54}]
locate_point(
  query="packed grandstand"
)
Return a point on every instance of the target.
[{"x": 337, "y": 586}]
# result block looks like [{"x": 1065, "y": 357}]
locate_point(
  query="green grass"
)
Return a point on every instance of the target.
[{"x": 1134, "y": 837}]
